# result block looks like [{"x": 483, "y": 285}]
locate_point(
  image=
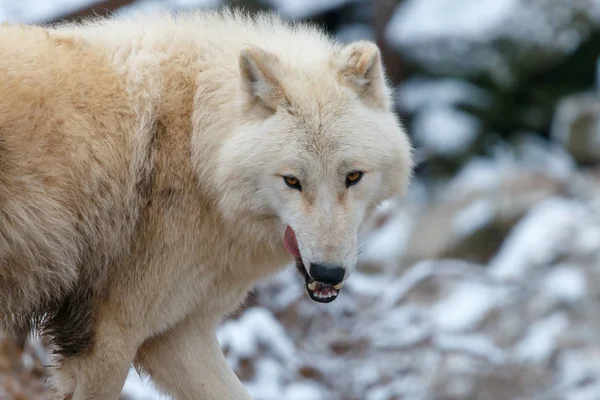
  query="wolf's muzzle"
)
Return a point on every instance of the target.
[{"x": 329, "y": 274}]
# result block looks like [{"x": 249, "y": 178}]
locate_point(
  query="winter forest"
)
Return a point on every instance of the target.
[{"x": 483, "y": 282}]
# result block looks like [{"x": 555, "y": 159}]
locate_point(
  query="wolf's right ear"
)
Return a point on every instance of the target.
[
  {"x": 259, "y": 70},
  {"x": 359, "y": 66}
]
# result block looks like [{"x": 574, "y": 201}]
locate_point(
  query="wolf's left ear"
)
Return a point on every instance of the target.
[
  {"x": 259, "y": 75},
  {"x": 359, "y": 66}
]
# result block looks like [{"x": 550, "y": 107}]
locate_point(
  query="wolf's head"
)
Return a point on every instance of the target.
[{"x": 319, "y": 148}]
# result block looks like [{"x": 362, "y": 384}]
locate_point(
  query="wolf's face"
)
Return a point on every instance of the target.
[{"x": 319, "y": 150}]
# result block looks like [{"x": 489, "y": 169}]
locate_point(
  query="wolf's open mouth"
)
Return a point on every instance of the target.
[{"x": 317, "y": 291}]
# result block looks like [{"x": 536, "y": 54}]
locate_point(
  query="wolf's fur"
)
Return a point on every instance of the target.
[{"x": 140, "y": 187}]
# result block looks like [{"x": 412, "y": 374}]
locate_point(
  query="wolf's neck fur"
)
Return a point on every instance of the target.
[{"x": 182, "y": 125}]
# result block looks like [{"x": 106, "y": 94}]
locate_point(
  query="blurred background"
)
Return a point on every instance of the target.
[{"x": 484, "y": 281}]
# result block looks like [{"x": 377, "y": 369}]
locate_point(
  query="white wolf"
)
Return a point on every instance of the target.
[{"x": 153, "y": 169}]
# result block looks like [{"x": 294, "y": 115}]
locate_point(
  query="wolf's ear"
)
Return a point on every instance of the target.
[
  {"x": 359, "y": 66},
  {"x": 259, "y": 70}
]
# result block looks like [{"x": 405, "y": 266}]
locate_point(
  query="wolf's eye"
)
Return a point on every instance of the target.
[
  {"x": 353, "y": 178},
  {"x": 292, "y": 182}
]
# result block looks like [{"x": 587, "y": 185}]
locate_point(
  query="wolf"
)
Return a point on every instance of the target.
[{"x": 153, "y": 168}]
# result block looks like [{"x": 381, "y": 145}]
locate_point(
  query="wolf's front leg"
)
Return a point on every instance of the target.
[
  {"x": 187, "y": 363},
  {"x": 99, "y": 372}
]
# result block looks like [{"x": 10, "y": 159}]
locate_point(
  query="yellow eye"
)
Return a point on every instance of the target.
[
  {"x": 292, "y": 182},
  {"x": 353, "y": 178}
]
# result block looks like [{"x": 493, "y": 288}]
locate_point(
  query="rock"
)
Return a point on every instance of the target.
[
  {"x": 576, "y": 126},
  {"x": 472, "y": 225}
]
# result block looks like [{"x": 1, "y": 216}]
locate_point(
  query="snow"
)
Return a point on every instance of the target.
[
  {"x": 38, "y": 10},
  {"x": 473, "y": 217},
  {"x": 366, "y": 284},
  {"x": 588, "y": 239},
  {"x": 403, "y": 327},
  {"x": 268, "y": 382},
  {"x": 530, "y": 155},
  {"x": 479, "y": 174},
  {"x": 464, "y": 308},
  {"x": 416, "y": 20},
  {"x": 406, "y": 282},
  {"x": 420, "y": 272},
  {"x": 565, "y": 283},
  {"x": 298, "y": 9},
  {"x": 139, "y": 389},
  {"x": 417, "y": 93},
  {"x": 401, "y": 387},
  {"x": 587, "y": 392},
  {"x": 542, "y": 338},
  {"x": 303, "y": 391},
  {"x": 355, "y": 32},
  {"x": 157, "y": 6},
  {"x": 546, "y": 158},
  {"x": 538, "y": 238},
  {"x": 284, "y": 289},
  {"x": 578, "y": 366},
  {"x": 438, "y": 125},
  {"x": 194, "y": 3},
  {"x": 44, "y": 10},
  {"x": 257, "y": 328},
  {"x": 460, "y": 37},
  {"x": 475, "y": 344},
  {"x": 445, "y": 130},
  {"x": 389, "y": 242}
]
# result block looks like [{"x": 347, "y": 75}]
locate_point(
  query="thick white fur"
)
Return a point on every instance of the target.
[{"x": 144, "y": 159}]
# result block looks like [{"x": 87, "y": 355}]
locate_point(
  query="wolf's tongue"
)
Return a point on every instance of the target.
[{"x": 290, "y": 243}]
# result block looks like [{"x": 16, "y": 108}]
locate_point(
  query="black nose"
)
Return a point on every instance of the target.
[{"x": 329, "y": 274}]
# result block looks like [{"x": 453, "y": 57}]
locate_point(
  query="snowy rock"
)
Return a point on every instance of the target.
[
  {"x": 256, "y": 331},
  {"x": 477, "y": 345},
  {"x": 577, "y": 366},
  {"x": 576, "y": 126},
  {"x": 565, "y": 283},
  {"x": 389, "y": 241},
  {"x": 303, "y": 391},
  {"x": 418, "y": 93},
  {"x": 479, "y": 208},
  {"x": 465, "y": 308},
  {"x": 474, "y": 217},
  {"x": 404, "y": 327},
  {"x": 538, "y": 239},
  {"x": 445, "y": 131},
  {"x": 542, "y": 338}
]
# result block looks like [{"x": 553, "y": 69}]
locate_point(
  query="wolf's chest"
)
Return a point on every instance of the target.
[{"x": 200, "y": 291}]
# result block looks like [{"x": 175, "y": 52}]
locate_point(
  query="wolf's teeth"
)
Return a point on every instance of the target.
[
  {"x": 312, "y": 285},
  {"x": 338, "y": 286}
]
